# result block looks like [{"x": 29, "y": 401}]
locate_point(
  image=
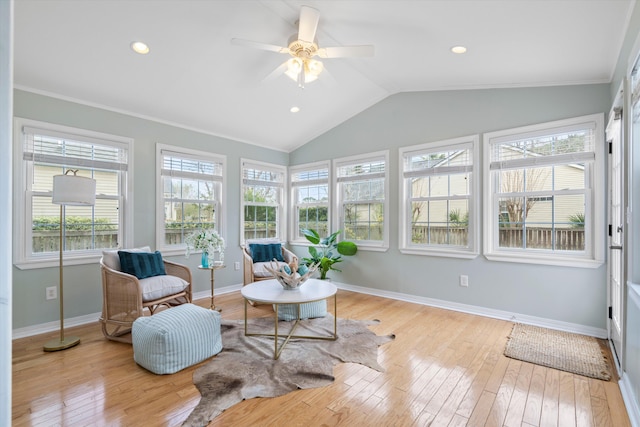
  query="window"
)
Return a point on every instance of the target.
[
  {"x": 544, "y": 189},
  {"x": 310, "y": 199},
  {"x": 362, "y": 186},
  {"x": 190, "y": 194},
  {"x": 47, "y": 150},
  {"x": 438, "y": 203},
  {"x": 262, "y": 201}
]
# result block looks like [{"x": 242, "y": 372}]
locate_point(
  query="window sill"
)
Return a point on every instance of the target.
[
  {"x": 545, "y": 260},
  {"x": 55, "y": 262},
  {"x": 299, "y": 243},
  {"x": 440, "y": 253},
  {"x": 361, "y": 246},
  {"x": 372, "y": 248},
  {"x": 175, "y": 252}
]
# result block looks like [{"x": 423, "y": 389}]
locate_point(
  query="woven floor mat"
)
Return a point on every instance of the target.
[{"x": 578, "y": 354}]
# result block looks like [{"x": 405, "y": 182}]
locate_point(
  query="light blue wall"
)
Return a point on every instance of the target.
[
  {"x": 83, "y": 291},
  {"x": 565, "y": 294},
  {"x": 400, "y": 120},
  {"x": 573, "y": 295}
]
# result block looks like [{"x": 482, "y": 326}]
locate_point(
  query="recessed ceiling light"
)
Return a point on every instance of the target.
[
  {"x": 140, "y": 47},
  {"x": 458, "y": 49},
  {"x": 294, "y": 109}
]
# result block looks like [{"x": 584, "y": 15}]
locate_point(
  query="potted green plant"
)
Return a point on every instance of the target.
[{"x": 328, "y": 252}]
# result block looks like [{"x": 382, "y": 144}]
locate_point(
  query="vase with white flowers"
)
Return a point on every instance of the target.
[{"x": 207, "y": 241}]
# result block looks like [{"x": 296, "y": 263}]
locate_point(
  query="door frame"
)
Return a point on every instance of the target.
[{"x": 625, "y": 128}]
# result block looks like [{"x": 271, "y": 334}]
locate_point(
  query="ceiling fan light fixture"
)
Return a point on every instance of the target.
[
  {"x": 313, "y": 67},
  {"x": 294, "y": 66},
  {"x": 302, "y": 70}
]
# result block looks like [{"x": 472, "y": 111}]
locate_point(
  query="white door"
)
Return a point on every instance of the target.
[{"x": 616, "y": 232}]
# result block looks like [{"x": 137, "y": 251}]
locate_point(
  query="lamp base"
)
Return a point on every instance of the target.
[{"x": 57, "y": 344}]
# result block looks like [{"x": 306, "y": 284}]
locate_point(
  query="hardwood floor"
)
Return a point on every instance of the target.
[{"x": 444, "y": 369}]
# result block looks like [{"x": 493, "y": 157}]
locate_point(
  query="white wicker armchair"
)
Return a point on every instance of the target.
[{"x": 125, "y": 297}]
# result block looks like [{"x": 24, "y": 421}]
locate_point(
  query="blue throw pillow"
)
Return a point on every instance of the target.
[
  {"x": 266, "y": 253},
  {"x": 142, "y": 264}
]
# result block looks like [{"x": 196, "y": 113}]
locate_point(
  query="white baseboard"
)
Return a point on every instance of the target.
[
  {"x": 448, "y": 305},
  {"x": 481, "y": 311},
  {"x": 44, "y": 328},
  {"x": 629, "y": 401},
  {"x": 222, "y": 291}
]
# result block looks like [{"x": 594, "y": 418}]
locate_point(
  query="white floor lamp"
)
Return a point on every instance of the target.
[{"x": 70, "y": 190}]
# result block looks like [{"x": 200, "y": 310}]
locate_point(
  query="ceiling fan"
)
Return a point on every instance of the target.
[{"x": 303, "y": 47}]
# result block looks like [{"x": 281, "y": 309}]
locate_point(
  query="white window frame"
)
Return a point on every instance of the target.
[
  {"x": 281, "y": 211},
  {"x": 22, "y": 228},
  {"x": 293, "y": 197},
  {"x": 219, "y": 204},
  {"x": 470, "y": 143},
  {"x": 338, "y": 218},
  {"x": 593, "y": 255}
]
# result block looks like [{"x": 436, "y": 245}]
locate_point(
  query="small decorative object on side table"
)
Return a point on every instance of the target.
[
  {"x": 212, "y": 267},
  {"x": 209, "y": 242}
]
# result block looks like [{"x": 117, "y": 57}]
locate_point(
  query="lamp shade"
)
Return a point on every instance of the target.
[{"x": 74, "y": 190}]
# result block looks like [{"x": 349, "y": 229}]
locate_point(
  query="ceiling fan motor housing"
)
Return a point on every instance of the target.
[{"x": 302, "y": 49}]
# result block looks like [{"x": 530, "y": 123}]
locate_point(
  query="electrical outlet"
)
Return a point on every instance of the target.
[
  {"x": 464, "y": 280},
  {"x": 51, "y": 292},
  {"x": 236, "y": 265}
]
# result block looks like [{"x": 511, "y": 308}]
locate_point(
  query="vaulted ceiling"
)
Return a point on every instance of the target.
[{"x": 195, "y": 78}]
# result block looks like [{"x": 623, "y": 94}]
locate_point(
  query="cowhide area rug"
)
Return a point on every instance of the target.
[{"x": 245, "y": 367}]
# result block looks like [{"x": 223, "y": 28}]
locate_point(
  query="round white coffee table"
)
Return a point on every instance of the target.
[{"x": 272, "y": 292}]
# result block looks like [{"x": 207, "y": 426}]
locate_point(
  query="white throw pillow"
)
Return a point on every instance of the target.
[
  {"x": 260, "y": 271},
  {"x": 161, "y": 286}
]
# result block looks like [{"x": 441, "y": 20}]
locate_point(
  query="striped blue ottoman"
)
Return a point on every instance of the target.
[
  {"x": 176, "y": 338},
  {"x": 308, "y": 310}
]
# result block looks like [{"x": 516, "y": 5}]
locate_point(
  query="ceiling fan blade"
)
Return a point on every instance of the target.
[
  {"x": 327, "y": 78},
  {"x": 308, "y": 24},
  {"x": 346, "y": 51},
  {"x": 261, "y": 46},
  {"x": 276, "y": 73}
]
